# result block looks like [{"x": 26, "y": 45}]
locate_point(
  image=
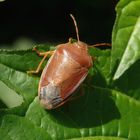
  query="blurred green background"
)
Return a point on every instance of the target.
[{"x": 49, "y": 21}]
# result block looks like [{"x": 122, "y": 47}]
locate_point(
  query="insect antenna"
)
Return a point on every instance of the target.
[{"x": 76, "y": 27}]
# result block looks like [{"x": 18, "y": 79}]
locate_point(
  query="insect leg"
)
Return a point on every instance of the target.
[
  {"x": 101, "y": 44},
  {"x": 39, "y": 53},
  {"x": 45, "y": 54}
]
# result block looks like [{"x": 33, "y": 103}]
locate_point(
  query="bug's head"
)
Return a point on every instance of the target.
[{"x": 50, "y": 96}]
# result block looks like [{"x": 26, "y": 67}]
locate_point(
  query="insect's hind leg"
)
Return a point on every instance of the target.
[{"x": 44, "y": 54}]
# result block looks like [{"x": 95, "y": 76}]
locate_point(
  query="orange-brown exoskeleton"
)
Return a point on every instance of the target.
[{"x": 65, "y": 71}]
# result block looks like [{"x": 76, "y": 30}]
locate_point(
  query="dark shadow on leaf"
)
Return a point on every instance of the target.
[
  {"x": 129, "y": 82},
  {"x": 95, "y": 108},
  {"x": 2, "y": 105},
  {"x": 96, "y": 79}
]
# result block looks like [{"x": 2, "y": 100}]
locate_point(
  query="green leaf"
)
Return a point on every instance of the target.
[
  {"x": 98, "y": 113},
  {"x": 14, "y": 66},
  {"x": 21, "y": 83},
  {"x": 102, "y": 113},
  {"x": 9, "y": 97},
  {"x": 126, "y": 37},
  {"x": 126, "y": 23},
  {"x": 99, "y": 138},
  {"x": 128, "y": 83},
  {"x": 2, "y": 105},
  {"x": 100, "y": 72},
  {"x": 108, "y": 108},
  {"x": 4, "y": 135},
  {"x": 23, "y": 129}
]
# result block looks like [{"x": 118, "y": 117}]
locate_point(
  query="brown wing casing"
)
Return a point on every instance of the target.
[{"x": 67, "y": 68}]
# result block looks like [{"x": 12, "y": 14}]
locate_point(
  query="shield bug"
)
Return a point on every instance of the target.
[{"x": 66, "y": 69}]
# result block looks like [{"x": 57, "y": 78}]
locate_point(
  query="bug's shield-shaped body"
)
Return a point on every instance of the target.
[{"x": 64, "y": 72}]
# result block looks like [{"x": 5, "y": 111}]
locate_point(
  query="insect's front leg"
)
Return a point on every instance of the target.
[
  {"x": 38, "y": 52},
  {"x": 101, "y": 45},
  {"x": 44, "y": 54}
]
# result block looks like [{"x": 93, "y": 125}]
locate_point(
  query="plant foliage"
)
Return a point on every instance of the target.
[{"x": 110, "y": 106}]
